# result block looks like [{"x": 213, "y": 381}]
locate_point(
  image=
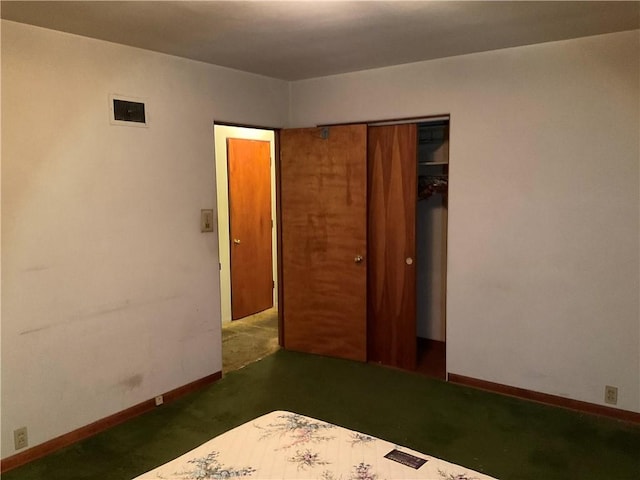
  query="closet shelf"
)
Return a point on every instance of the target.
[{"x": 433, "y": 163}]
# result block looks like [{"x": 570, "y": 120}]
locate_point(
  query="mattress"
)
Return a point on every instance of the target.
[{"x": 286, "y": 445}]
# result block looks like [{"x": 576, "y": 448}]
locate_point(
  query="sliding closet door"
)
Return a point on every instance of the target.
[
  {"x": 391, "y": 245},
  {"x": 323, "y": 178}
]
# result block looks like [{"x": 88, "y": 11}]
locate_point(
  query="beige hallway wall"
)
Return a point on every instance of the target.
[{"x": 221, "y": 133}]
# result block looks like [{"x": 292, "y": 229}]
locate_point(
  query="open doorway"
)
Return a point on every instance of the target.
[
  {"x": 431, "y": 246},
  {"x": 246, "y": 212}
]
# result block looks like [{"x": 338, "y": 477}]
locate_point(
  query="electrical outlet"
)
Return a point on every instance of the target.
[
  {"x": 611, "y": 395},
  {"x": 206, "y": 220},
  {"x": 159, "y": 400},
  {"x": 20, "y": 438}
]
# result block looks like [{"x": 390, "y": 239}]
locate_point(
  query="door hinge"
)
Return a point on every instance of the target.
[
  {"x": 273, "y": 284},
  {"x": 219, "y": 266}
]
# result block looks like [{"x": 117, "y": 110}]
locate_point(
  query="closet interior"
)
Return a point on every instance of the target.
[{"x": 431, "y": 245}]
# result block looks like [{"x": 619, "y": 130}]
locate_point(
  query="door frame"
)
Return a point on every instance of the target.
[
  {"x": 278, "y": 226},
  {"x": 446, "y": 237},
  {"x": 275, "y": 208},
  {"x": 251, "y": 207}
]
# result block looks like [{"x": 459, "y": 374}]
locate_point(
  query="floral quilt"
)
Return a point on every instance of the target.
[{"x": 285, "y": 445}]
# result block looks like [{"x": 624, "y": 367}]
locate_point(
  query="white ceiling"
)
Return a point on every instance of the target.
[{"x": 294, "y": 40}]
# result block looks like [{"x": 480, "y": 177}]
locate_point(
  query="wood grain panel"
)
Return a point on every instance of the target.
[
  {"x": 391, "y": 241},
  {"x": 323, "y": 183},
  {"x": 250, "y": 228}
]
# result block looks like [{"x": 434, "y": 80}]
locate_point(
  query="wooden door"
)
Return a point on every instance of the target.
[
  {"x": 323, "y": 179},
  {"x": 250, "y": 226},
  {"x": 391, "y": 245}
]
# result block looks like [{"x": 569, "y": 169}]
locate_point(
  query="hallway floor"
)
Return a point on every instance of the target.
[{"x": 249, "y": 339}]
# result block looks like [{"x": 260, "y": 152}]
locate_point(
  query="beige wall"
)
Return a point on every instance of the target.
[
  {"x": 221, "y": 133},
  {"x": 543, "y": 264},
  {"x": 110, "y": 293}
]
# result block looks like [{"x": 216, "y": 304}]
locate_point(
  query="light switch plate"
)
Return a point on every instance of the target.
[{"x": 206, "y": 220}]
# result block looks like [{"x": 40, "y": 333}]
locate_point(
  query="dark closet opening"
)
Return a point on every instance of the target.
[{"x": 431, "y": 246}]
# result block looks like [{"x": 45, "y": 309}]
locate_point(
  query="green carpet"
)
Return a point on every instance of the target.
[{"x": 501, "y": 436}]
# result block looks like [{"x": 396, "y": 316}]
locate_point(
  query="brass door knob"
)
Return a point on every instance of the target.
[
  {"x": 236, "y": 241},
  {"x": 358, "y": 259}
]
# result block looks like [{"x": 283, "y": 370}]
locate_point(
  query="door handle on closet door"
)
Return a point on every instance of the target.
[
  {"x": 358, "y": 259},
  {"x": 236, "y": 241},
  {"x": 409, "y": 261}
]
